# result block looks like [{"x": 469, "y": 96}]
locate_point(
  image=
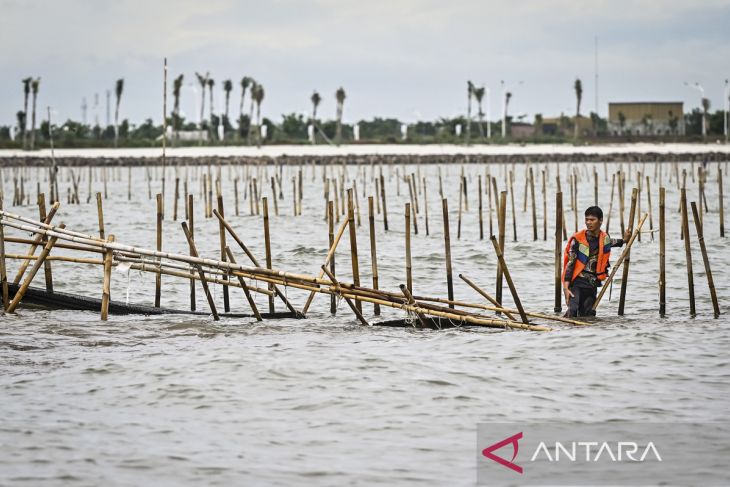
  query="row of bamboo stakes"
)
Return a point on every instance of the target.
[{"x": 411, "y": 210}]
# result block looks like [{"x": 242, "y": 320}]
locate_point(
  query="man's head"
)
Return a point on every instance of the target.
[{"x": 594, "y": 218}]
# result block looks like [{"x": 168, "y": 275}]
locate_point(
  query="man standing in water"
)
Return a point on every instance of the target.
[{"x": 585, "y": 264}]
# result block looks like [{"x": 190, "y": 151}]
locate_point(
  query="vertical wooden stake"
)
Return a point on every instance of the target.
[
  {"x": 534, "y": 207},
  {"x": 177, "y": 195},
  {"x": 191, "y": 224},
  {"x": 409, "y": 274},
  {"x": 662, "y": 259},
  {"x": 331, "y": 228},
  {"x": 373, "y": 249},
  {"x": 722, "y": 203},
  {"x": 627, "y": 260},
  {"x": 687, "y": 250},
  {"x": 222, "y": 238},
  {"x": 425, "y": 204},
  {"x": 106, "y": 287},
  {"x": 246, "y": 291},
  {"x": 47, "y": 264},
  {"x": 3, "y": 268},
  {"x": 481, "y": 219},
  {"x": 385, "y": 207},
  {"x": 267, "y": 244},
  {"x": 447, "y": 252},
  {"x": 558, "y": 252},
  {"x": 353, "y": 244},
  {"x": 100, "y": 213},
  {"x": 158, "y": 277}
]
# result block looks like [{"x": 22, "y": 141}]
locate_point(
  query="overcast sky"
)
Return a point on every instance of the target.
[{"x": 395, "y": 58}]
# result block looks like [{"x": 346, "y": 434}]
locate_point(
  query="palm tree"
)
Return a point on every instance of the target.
[
  {"x": 211, "y": 84},
  {"x": 507, "y": 97},
  {"x": 24, "y": 127},
  {"x": 245, "y": 83},
  {"x": 538, "y": 124},
  {"x": 227, "y": 87},
  {"x": 34, "y": 84},
  {"x": 254, "y": 85},
  {"x": 705, "y": 111},
  {"x": 118, "y": 92},
  {"x": 578, "y": 87},
  {"x": 203, "y": 80},
  {"x": 340, "y": 97},
  {"x": 469, "y": 93},
  {"x": 478, "y": 96},
  {"x": 176, "y": 89},
  {"x": 316, "y": 100},
  {"x": 258, "y": 95}
]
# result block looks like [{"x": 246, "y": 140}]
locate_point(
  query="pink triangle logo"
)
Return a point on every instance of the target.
[{"x": 487, "y": 452}]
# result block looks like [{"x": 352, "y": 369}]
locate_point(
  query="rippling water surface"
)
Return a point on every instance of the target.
[{"x": 184, "y": 400}]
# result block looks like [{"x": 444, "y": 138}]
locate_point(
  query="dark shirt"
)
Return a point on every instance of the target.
[{"x": 588, "y": 274}]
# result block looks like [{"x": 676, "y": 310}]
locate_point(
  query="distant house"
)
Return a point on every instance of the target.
[
  {"x": 186, "y": 135},
  {"x": 521, "y": 130},
  {"x": 565, "y": 125},
  {"x": 646, "y": 118}
]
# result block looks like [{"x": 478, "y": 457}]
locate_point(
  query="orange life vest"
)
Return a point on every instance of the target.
[{"x": 604, "y": 252}]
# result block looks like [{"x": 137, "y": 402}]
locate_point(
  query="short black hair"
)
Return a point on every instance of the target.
[{"x": 594, "y": 211}]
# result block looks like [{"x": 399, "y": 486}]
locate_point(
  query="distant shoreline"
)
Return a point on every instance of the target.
[{"x": 366, "y": 154}]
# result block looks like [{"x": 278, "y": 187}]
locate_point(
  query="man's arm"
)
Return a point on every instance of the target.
[{"x": 619, "y": 242}]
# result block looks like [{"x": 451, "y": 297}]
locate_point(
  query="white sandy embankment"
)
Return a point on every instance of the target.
[{"x": 390, "y": 149}]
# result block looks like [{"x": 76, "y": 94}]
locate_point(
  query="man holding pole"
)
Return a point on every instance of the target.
[{"x": 585, "y": 263}]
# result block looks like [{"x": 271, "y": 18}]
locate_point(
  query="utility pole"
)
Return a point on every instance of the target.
[
  {"x": 84, "y": 106},
  {"x": 596, "y": 70}
]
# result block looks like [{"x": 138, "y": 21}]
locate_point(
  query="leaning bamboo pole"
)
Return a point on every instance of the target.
[
  {"x": 199, "y": 268},
  {"x": 687, "y": 251},
  {"x": 3, "y": 268},
  {"x": 619, "y": 262},
  {"x": 349, "y": 302},
  {"x": 106, "y": 287},
  {"x": 508, "y": 278},
  {"x": 33, "y": 271},
  {"x": 38, "y": 239},
  {"x": 705, "y": 259}
]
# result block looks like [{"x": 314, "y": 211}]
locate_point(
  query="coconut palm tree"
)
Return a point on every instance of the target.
[
  {"x": 34, "y": 85},
  {"x": 258, "y": 95},
  {"x": 316, "y": 100},
  {"x": 24, "y": 127},
  {"x": 254, "y": 85},
  {"x": 211, "y": 84},
  {"x": 340, "y": 97},
  {"x": 176, "y": 89},
  {"x": 203, "y": 80},
  {"x": 227, "y": 87},
  {"x": 245, "y": 83},
  {"x": 119, "y": 88},
  {"x": 578, "y": 87},
  {"x": 705, "y": 111},
  {"x": 478, "y": 96},
  {"x": 469, "y": 94}
]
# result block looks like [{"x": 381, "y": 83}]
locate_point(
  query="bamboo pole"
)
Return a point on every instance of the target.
[
  {"x": 33, "y": 271},
  {"x": 534, "y": 207},
  {"x": 425, "y": 204},
  {"x": 36, "y": 241},
  {"x": 158, "y": 278},
  {"x": 203, "y": 281},
  {"x": 191, "y": 225},
  {"x": 620, "y": 260},
  {"x": 484, "y": 294},
  {"x": 507, "y": 276},
  {"x": 47, "y": 271},
  {"x": 177, "y": 196},
  {"x": 373, "y": 249},
  {"x": 385, "y": 207},
  {"x": 100, "y": 214},
  {"x": 705, "y": 259},
  {"x": 3, "y": 266},
  {"x": 267, "y": 245},
  {"x": 106, "y": 287},
  {"x": 353, "y": 243},
  {"x": 512, "y": 197},
  {"x": 662, "y": 259},
  {"x": 481, "y": 218},
  {"x": 331, "y": 235},
  {"x": 558, "y": 252},
  {"x": 222, "y": 239},
  {"x": 722, "y": 203},
  {"x": 244, "y": 286},
  {"x": 447, "y": 251},
  {"x": 625, "y": 275},
  {"x": 687, "y": 251},
  {"x": 409, "y": 273},
  {"x": 461, "y": 203},
  {"x": 330, "y": 255},
  {"x": 353, "y": 306},
  {"x": 501, "y": 221},
  {"x": 544, "y": 207}
]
